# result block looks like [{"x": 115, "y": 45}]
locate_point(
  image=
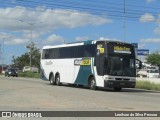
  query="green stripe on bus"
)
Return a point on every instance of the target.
[{"x": 83, "y": 74}]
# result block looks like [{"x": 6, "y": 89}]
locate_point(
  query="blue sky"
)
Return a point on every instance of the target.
[{"x": 55, "y": 21}]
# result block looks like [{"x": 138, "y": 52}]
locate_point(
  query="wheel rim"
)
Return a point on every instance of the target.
[
  {"x": 92, "y": 84},
  {"x": 51, "y": 80},
  {"x": 57, "y": 80}
]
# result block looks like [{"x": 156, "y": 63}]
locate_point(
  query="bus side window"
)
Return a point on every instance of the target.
[{"x": 45, "y": 54}]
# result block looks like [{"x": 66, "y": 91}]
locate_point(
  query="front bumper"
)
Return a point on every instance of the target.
[{"x": 121, "y": 84}]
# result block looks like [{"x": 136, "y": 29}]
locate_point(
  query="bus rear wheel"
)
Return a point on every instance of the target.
[
  {"x": 92, "y": 84},
  {"x": 51, "y": 80},
  {"x": 58, "y": 80}
]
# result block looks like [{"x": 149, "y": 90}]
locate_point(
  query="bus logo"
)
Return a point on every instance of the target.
[
  {"x": 77, "y": 61},
  {"x": 86, "y": 62},
  {"x": 82, "y": 62}
]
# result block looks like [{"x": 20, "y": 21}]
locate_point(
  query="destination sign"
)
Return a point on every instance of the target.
[{"x": 121, "y": 49}]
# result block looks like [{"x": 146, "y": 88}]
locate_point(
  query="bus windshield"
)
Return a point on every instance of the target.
[{"x": 121, "y": 66}]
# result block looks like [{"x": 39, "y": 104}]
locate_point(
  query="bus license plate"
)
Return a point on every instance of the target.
[{"x": 122, "y": 84}]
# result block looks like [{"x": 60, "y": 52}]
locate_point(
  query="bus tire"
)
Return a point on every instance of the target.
[
  {"x": 51, "y": 79},
  {"x": 117, "y": 88},
  {"x": 57, "y": 78},
  {"x": 92, "y": 83}
]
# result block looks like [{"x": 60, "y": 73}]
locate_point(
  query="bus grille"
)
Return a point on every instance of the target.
[{"x": 126, "y": 79}]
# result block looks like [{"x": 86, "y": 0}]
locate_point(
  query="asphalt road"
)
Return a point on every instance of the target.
[{"x": 34, "y": 94}]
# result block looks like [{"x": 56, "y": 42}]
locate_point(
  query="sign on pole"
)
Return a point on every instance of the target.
[
  {"x": 135, "y": 45},
  {"x": 143, "y": 52}
]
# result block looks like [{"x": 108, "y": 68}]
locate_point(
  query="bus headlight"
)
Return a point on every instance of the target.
[
  {"x": 109, "y": 78},
  {"x": 132, "y": 79}
]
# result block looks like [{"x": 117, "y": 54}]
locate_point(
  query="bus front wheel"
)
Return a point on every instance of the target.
[
  {"x": 92, "y": 83},
  {"x": 58, "y": 80}
]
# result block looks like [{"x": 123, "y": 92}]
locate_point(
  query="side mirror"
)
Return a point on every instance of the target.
[{"x": 139, "y": 64}]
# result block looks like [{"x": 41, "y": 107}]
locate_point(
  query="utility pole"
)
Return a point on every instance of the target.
[
  {"x": 124, "y": 20},
  {"x": 30, "y": 46},
  {"x": 1, "y": 53},
  {"x": 31, "y": 24}
]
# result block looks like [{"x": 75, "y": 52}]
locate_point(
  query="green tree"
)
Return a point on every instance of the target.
[
  {"x": 154, "y": 59},
  {"x": 24, "y": 59},
  {"x": 35, "y": 54}
]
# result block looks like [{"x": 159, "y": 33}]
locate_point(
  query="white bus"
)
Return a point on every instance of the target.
[{"x": 90, "y": 63}]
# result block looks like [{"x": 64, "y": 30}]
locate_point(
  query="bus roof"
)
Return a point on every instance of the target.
[{"x": 82, "y": 43}]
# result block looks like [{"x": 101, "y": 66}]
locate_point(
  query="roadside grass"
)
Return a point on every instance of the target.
[
  {"x": 147, "y": 85},
  {"x": 29, "y": 74}
]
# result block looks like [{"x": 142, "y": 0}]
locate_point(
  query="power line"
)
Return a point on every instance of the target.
[
  {"x": 77, "y": 5},
  {"x": 116, "y": 16},
  {"x": 131, "y": 11},
  {"x": 99, "y": 11},
  {"x": 118, "y": 4},
  {"x": 102, "y": 6}
]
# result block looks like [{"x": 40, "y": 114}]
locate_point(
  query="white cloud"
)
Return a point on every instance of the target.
[
  {"x": 158, "y": 20},
  {"x": 54, "y": 39},
  {"x": 157, "y": 30},
  {"x": 149, "y": 1},
  {"x": 150, "y": 40},
  {"x": 3, "y": 35},
  {"x": 82, "y": 38},
  {"x": 10, "y": 39},
  {"x": 44, "y": 21},
  {"x": 141, "y": 45},
  {"x": 35, "y": 34},
  {"x": 110, "y": 39},
  {"x": 15, "y": 41},
  {"x": 147, "y": 17}
]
